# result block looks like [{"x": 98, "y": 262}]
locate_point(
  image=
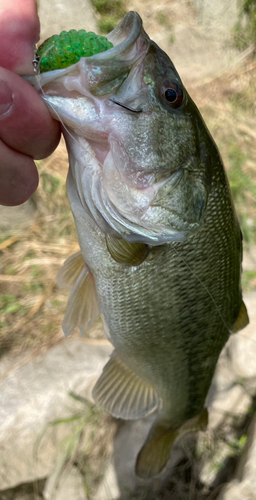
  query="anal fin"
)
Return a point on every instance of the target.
[
  {"x": 82, "y": 310},
  {"x": 70, "y": 271},
  {"x": 122, "y": 393},
  {"x": 242, "y": 320}
]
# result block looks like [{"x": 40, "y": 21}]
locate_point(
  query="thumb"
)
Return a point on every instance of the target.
[{"x": 19, "y": 32}]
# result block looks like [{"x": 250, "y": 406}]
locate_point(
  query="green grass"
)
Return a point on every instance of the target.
[
  {"x": 238, "y": 181},
  {"x": 11, "y": 309},
  {"x": 10, "y": 270},
  {"x": 83, "y": 445},
  {"x": 50, "y": 183},
  {"x": 33, "y": 288},
  {"x": 110, "y": 13},
  {"x": 243, "y": 189},
  {"x": 245, "y": 29},
  {"x": 9, "y": 304},
  {"x": 244, "y": 101},
  {"x": 249, "y": 280},
  {"x": 163, "y": 19}
]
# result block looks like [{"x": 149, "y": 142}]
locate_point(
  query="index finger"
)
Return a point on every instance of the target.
[{"x": 19, "y": 32}]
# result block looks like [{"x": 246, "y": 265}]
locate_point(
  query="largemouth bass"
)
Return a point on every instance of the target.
[{"x": 161, "y": 247}]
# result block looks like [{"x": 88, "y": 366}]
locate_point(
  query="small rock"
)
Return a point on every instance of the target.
[
  {"x": 120, "y": 473},
  {"x": 234, "y": 402},
  {"x": 228, "y": 402},
  {"x": 242, "y": 345},
  {"x": 228, "y": 394},
  {"x": 244, "y": 485},
  {"x": 109, "y": 488},
  {"x": 28, "y": 491},
  {"x": 120, "y": 480},
  {"x": 37, "y": 393},
  {"x": 70, "y": 487}
]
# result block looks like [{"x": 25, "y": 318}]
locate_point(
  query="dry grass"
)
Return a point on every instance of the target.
[
  {"x": 32, "y": 307},
  {"x": 228, "y": 105}
]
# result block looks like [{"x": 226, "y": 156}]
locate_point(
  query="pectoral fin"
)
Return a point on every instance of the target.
[
  {"x": 124, "y": 252},
  {"x": 242, "y": 320},
  {"x": 82, "y": 310},
  {"x": 123, "y": 393}
]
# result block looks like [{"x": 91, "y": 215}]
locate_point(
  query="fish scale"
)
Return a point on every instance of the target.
[{"x": 131, "y": 303}]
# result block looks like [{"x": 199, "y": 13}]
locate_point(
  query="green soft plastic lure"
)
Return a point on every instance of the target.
[{"x": 61, "y": 51}]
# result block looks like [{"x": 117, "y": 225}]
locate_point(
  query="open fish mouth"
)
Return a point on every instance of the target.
[
  {"x": 123, "y": 139},
  {"x": 130, "y": 43}
]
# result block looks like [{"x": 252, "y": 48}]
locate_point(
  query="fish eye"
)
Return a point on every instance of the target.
[{"x": 172, "y": 93}]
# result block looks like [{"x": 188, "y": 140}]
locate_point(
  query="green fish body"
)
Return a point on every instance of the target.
[{"x": 161, "y": 246}]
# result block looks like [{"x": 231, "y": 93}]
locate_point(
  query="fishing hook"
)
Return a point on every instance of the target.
[{"x": 126, "y": 107}]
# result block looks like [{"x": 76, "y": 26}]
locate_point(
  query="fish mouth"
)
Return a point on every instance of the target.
[
  {"x": 107, "y": 70},
  {"x": 118, "y": 189},
  {"x": 123, "y": 37},
  {"x": 130, "y": 43}
]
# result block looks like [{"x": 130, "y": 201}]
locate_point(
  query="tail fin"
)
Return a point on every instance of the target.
[{"x": 155, "y": 453}]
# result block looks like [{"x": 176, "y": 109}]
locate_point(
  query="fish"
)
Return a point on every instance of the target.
[{"x": 161, "y": 245}]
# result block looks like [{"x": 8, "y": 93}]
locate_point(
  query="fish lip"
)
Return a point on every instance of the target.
[{"x": 131, "y": 25}]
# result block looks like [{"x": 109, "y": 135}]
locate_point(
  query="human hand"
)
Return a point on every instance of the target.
[{"x": 27, "y": 130}]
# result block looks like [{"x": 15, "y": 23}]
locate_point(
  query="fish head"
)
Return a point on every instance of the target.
[{"x": 140, "y": 154}]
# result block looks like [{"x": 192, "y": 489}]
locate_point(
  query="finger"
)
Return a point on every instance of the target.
[
  {"x": 25, "y": 123},
  {"x": 18, "y": 176},
  {"x": 19, "y": 32}
]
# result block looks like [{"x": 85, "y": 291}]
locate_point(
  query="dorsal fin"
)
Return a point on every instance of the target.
[
  {"x": 123, "y": 393},
  {"x": 70, "y": 271}
]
